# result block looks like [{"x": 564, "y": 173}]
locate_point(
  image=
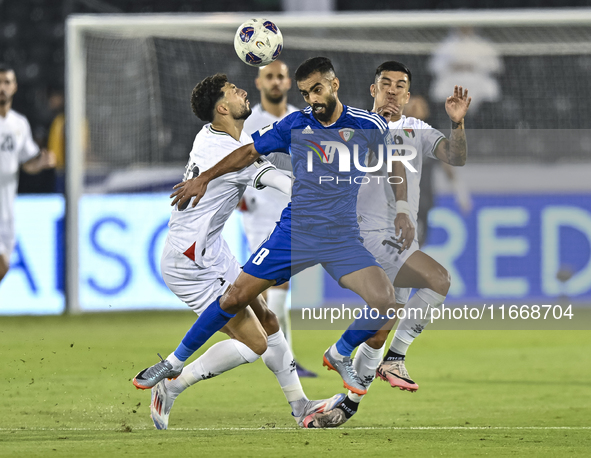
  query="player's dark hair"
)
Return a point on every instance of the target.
[
  {"x": 206, "y": 94},
  {"x": 322, "y": 65},
  {"x": 393, "y": 66},
  {"x": 5, "y": 68}
]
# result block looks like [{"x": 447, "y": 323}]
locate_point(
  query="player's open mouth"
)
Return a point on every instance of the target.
[{"x": 319, "y": 108}]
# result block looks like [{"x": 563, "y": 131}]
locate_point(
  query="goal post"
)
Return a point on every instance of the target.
[{"x": 128, "y": 80}]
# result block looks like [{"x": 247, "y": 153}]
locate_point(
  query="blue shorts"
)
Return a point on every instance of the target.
[{"x": 282, "y": 256}]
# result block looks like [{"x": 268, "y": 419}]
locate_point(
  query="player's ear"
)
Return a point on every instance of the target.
[
  {"x": 372, "y": 90},
  {"x": 335, "y": 84},
  {"x": 222, "y": 108}
]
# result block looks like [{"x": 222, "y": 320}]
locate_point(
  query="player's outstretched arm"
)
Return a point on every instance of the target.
[
  {"x": 402, "y": 222},
  {"x": 196, "y": 187},
  {"x": 44, "y": 160},
  {"x": 454, "y": 151}
]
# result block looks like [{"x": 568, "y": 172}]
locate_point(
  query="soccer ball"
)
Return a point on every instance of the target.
[{"x": 258, "y": 42}]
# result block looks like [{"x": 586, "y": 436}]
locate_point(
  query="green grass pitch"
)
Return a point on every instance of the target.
[{"x": 66, "y": 391}]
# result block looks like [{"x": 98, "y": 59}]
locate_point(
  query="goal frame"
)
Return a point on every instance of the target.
[{"x": 137, "y": 25}]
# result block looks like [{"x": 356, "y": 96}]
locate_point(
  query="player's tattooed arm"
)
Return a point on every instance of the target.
[
  {"x": 402, "y": 223},
  {"x": 455, "y": 151},
  {"x": 196, "y": 187}
]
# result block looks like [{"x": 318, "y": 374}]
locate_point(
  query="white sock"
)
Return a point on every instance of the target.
[
  {"x": 276, "y": 301},
  {"x": 335, "y": 353},
  {"x": 413, "y": 324},
  {"x": 366, "y": 361},
  {"x": 176, "y": 363},
  {"x": 220, "y": 358},
  {"x": 279, "y": 359}
]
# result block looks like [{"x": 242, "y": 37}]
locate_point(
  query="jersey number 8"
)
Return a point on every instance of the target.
[{"x": 260, "y": 257}]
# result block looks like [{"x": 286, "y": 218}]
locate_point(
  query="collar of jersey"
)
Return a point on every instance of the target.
[
  {"x": 217, "y": 132},
  {"x": 398, "y": 123}
]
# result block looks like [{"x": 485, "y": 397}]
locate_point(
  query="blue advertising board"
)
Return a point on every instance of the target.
[{"x": 510, "y": 247}]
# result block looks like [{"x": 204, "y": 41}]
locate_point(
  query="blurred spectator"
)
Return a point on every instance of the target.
[
  {"x": 466, "y": 59},
  {"x": 417, "y": 107},
  {"x": 52, "y": 120},
  {"x": 56, "y": 139}
]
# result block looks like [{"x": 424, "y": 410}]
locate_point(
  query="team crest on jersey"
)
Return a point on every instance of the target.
[
  {"x": 409, "y": 132},
  {"x": 346, "y": 133}
]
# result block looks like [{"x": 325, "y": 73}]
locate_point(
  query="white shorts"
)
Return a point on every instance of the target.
[
  {"x": 383, "y": 245},
  {"x": 194, "y": 285}
]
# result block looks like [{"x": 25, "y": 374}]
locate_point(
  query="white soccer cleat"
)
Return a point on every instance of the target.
[
  {"x": 314, "y": 407},
  {"x": 161, "y": 404},
  {"x": 329, "y": 419}
]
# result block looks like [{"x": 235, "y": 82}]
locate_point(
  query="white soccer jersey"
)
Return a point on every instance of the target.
[
  {"x": 260, "y": 118},
  {"x": 199, "y": 229},
  {"x": 376, "y": 204},
  {"x": 16, "y": 147},
  {"x": 263, "y": 208}
]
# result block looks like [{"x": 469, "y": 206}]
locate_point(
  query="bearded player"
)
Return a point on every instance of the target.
[
  {"x": 319, "y": 226},
  {"x": 377, "y": 208},
  {"x": 197, "y": 264}
]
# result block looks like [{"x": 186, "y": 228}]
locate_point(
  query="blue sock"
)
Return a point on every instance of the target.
[
  {"x": 211, "y": 320},
  {"x": 358, "y": 332}
]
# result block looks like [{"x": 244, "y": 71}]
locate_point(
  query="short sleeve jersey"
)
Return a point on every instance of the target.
[
  {"x": 200, "y": 228},
  {"x": 16, "y": 147},
  {"x": 324, "y": 195},
  {"x": 264, "y": 207},
  {"x": 376, "y": 204}
]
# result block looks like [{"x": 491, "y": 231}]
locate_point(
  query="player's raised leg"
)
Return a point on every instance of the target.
[
  {"x": 214, "y": 318},
  {"x": 374, "y": 287},
  {"x": 248, "y": 342},
  {"x": 432, "y": 280}
]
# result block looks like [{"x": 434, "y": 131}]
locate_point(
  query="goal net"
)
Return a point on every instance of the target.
[{"x": 130, "y": 125}]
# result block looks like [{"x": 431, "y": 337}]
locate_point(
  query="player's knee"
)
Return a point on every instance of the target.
[
  {"x": 234, "y": 301},
  {"x": 440, "y": 281},
  {"x": 258, "y": 343},
  {"x": 382, "y": 300}
]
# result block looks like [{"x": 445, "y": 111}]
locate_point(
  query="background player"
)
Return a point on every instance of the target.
[
  {"x": 262, "y": 209},
  {"x": 16, "y": 148},
  {"x": 408, "y": 268},
  {"x": 197, "y": 264},
  {"x": 324, "y": 227}
]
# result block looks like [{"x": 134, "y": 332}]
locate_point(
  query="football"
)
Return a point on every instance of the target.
[{"x": 258, "y": 42}]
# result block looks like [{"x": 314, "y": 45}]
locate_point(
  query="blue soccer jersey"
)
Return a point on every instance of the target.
[
  {"x": 327, "y": 180},
  {"x": 320, "y": 224}
]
